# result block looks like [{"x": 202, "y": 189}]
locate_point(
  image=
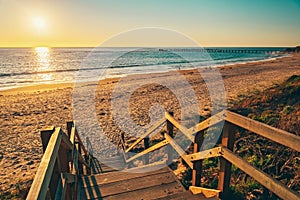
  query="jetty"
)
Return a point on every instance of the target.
[
  {"x": 68, "y": 170},
  {"x": 228, "y": 50}
]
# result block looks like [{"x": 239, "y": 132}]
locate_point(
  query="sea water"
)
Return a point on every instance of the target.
[{"x": 30, "y": 66}]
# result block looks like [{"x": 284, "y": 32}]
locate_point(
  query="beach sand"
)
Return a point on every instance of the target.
[{"x": 25, "y": 111}]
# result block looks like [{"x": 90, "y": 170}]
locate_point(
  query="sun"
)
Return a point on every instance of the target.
[{"x": 39, "y": 23}]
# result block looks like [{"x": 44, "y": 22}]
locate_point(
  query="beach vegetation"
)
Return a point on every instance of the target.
[{"x": 278, "y": 106}]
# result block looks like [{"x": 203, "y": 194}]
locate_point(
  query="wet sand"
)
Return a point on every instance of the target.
[{"x": 25, "y": 111}]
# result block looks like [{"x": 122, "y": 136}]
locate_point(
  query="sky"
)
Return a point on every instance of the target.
[{"x": 89, "y": 23}]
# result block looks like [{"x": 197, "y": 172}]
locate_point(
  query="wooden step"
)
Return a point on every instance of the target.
[
  {"x": 156, "y": 185},
  {"x": 186, "y": 195},
  {"x": 124, "y": 185},
  {"x": 100, "y": 179}
]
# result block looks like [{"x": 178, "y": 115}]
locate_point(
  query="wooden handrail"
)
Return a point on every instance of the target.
[
  {"x": 80, "y": 141},
  {"x": 179, "y": 150},
  {"x": 266, "y": 180},
  {"x": 58, "y": 141},
  {"x": 150, "y": 149},
  {"x": 44, "y": 178},
  {"x": 211, "y": 121},
  {"x": 227, "y": 156},
  {"x": 210, "y": 153},
  {"x": 148, "y": 132},
  {"x": 282, "y": 137},
  {"x": 183, "y": 129}
]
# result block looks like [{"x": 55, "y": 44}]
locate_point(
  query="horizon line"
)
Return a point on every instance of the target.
[{"x": 238, "y": 46}]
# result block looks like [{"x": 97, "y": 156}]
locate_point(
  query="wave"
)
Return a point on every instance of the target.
[
  {"x": 229, "y": 59},
  {"x": 153, "y": 57}
]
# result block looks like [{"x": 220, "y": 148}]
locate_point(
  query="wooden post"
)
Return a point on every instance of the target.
[
  {"x": 63, "y": 158},
  {"x": 80, "y": 165},
  {"x": 65, "y": 168},
  {"x": 146, "y": 145},
  {"x": 69, "y": 128},
  {"x": 197, "y": 165},
  {"x": 123, "y": 141},
  {"x": 170, "y": 130},
  {"x": 45, "y": 136},
  {"x": 225, "y": 166}
]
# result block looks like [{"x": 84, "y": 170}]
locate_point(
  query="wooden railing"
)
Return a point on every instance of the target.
[
  {"x": 64, "y": 159},
  {"x": 224, "y": 151}
]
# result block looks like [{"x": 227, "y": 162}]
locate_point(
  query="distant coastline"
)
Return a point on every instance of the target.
[
  {"x": 30, "y": 67},
  {"x": 59, "y": 85}
]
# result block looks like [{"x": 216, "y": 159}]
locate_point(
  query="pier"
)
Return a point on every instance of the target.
[{"x": 227, "y": 50}]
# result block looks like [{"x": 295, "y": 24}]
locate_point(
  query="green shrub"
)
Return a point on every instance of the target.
[{"x": 288, "y": 109}]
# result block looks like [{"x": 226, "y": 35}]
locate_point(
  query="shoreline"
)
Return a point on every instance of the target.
[
  {"x": 25, "y": 111},
  {"x": 39, "y": 87}
]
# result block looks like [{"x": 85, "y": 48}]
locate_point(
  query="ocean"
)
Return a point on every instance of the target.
[{"x": 30, "y": 66}]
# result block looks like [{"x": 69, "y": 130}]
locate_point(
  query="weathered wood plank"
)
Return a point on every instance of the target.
[
  {"x": 282, "y": 137},
  {"x": 183, "y": 129},
  {"x": 213, "y": 120},
  {"x": 150, "y": 130},
  {"x": 42, "y": 178},
  {"x": 79, "y": 140},
  {"x": 72, "y": 136},
  {"x": 210, "y": 153},
  {"x": 185, "y": 195},
  {"x": 197, "y": 165},
  {"x": 179, "y": 150},
  {"x": 228, "y": 136},
  {"x": 80, "y": 158},
  {"x": 108, "y": 178},
  {"x": 170, "y": 131},
  {"x": 208, "y": 193},
  {"x": 45, "y": 136},
  {"x": 266, "y": 180},
  {"x": 135, "y": 184},
  {"x": 149, "y": 193},
  {"x": 66, "y": 143},
  {"x": 150, "y": 149},
  {"x": 69, "y": 128}
]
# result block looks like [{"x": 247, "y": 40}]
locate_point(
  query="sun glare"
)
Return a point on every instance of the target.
[
  {"x": 39, "y": 23},
  {"x": 43, "y": 60}
]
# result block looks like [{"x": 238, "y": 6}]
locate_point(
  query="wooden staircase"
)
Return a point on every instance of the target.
[
  {"x": 158, "y": 184},
  {"x": 70, "y": 171}
]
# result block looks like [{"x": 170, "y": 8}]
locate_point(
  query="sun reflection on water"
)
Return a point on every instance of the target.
[{"x": 43, "y": 60}]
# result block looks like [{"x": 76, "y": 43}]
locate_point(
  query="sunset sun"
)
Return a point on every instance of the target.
[{"x": 39, "y": 23}]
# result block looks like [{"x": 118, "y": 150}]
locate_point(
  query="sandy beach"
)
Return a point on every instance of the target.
[{"x": 25, "y": 111}]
